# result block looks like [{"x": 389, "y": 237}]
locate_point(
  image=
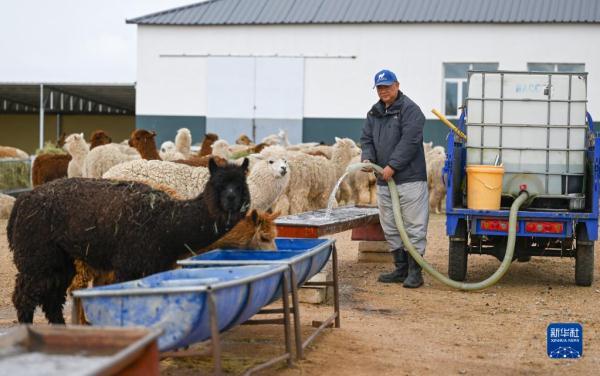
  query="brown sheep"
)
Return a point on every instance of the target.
[
  {"x": 206, "y": 148},
  {"x": 144, "y": 142}
]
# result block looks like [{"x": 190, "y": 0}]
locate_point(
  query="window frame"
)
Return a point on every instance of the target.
[
  {"x": 459, "y": 83},
  {"x": 555, "y": 66}
]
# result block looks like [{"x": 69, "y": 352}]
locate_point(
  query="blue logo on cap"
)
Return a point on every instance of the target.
[
  {"x": 564, "y": 340},
  {"x": 385, "y": 77}
]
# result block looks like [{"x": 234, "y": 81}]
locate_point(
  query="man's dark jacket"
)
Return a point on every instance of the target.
[{"x": 394, "y": 137}]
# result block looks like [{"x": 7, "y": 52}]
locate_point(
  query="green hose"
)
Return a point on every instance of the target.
[{"x": 491, "y": 280}]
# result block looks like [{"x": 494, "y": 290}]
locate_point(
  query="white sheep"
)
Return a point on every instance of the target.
[
  {"x": 6, "y": 204},
  {"x": 101, "y": 158},
  {"x": 313, "y": 177},
  {"x": 76, "y": 146},
  {"x": 267, "y": 180},
  {"x": 435, "y": 160}
]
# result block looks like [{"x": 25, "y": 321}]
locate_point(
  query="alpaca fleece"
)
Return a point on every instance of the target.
[{"x": 127, "y": 227}]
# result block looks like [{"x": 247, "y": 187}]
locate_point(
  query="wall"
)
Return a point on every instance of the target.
[
  {"x": 337, "y": 89},
  {"x": 22, "y": 131}
]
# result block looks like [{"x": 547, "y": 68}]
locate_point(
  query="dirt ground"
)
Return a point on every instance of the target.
[{"x": 433, "y": 330}]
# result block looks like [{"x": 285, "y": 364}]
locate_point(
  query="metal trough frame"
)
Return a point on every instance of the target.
[
  {"x": 335, "y": 317},
  {"x": 214, "y": 319}
]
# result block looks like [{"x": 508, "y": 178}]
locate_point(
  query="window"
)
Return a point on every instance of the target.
[
  {"x": 455, "y": 83},
  {"x": 556, "y": 67}
]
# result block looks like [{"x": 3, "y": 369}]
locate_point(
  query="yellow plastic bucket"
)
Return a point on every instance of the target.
[{"x": 484, "y": 187}]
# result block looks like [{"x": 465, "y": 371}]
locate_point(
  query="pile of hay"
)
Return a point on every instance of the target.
[
  {"x": 15, "y": 174},
  {"x": 50, "y": 148}
]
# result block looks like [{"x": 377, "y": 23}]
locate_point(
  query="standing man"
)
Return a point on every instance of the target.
[{"x": 392, "y": 138}]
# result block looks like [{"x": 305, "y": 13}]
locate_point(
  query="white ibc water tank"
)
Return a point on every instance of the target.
[{"x": 535, "y": 122}]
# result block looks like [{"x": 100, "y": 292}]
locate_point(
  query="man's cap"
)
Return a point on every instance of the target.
[{"x": 384, "y": 77}]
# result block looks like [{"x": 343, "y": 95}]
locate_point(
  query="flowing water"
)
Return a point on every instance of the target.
[{"x": 331, "y": 201}]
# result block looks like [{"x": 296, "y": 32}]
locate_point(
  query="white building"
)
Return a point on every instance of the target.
[{"x": 254, "y": 66}]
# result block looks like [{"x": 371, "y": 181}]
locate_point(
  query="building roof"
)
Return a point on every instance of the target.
[
  {"x": 74, "y": 98},
  {"x": 276, "y": 12}
]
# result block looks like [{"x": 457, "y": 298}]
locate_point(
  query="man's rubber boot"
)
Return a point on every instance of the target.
[
  {"x": 399, "y": 274},
  {"x": 415, "y": 277}
]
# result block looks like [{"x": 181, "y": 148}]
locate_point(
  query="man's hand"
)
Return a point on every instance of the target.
[
  {"x": 387, "y": 173},
  {"x": 366, "y": 169}
]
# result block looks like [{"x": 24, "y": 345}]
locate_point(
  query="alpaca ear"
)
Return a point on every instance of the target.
[
  {"x": 245, "y": 164},
  {"x": 212, "y": 166},
  {"x": 274, "y": 215},
  {"x": 337, "y": 139},
  {"x": 81, "y": 134},
  {"x": 254, "y": 216},
  {"x": 153, "y": 133}
]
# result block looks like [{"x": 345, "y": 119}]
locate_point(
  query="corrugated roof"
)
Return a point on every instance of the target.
[{"x": 272, "y": 12}]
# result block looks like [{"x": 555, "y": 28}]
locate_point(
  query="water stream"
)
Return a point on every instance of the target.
[{"x": 332, "y": 201}]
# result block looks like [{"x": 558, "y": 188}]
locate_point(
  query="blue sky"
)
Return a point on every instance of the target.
[{"x": 72, "y": 40}]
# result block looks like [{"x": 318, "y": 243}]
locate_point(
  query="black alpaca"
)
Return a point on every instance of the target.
[{"x": 126, "y": 227}]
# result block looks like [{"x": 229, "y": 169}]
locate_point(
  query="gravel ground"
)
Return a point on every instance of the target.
[{"x": 434, "y": 330}]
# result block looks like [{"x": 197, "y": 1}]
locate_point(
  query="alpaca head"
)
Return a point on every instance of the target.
[
  {"x": 183, "y": 140},
  {"x": 98, "y": 138},
  {"x": 243, "y": 140},
  {"x": 278, "y": 167},
  {"x": 345, "y": 148},
  {"x": 167, "y": 146},
  {"x": 265, "y": 230},
  {"x": 76, "y": 146},
  {"x": 220, "y": 148},
  {"x": 141, "y": 138},
  {"x": 227, "y": 187}
]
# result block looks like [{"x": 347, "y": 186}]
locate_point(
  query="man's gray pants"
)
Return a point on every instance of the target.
[{"x": 414, "y": 205}]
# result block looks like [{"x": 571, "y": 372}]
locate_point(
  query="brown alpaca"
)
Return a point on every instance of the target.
[
  {"x": 243, "y": 140},
  {"x": 255, "y": 231},
  {"x": 144, "y": 142},
  {"x": 206, "y": 148},
  {"x": 196, "y": 161},
  {"x": 11, "y": 152},
  {"x": 48, "y": 167},
  {"x": 99, "y": 137}
]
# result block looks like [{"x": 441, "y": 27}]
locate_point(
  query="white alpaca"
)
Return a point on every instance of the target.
[
  {"x": 76, "y": 146},
  {"x": 435, "y": 160},
  {"x": 183, "y": 142},
  {"x": 168, "y": 152},
  {"x": 101, "y": 158},
  {"x": 313, "y": 177}
]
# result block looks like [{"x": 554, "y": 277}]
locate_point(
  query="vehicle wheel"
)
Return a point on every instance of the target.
[
  {"x": 584, "y": 258},
  {"x": 458, "y": 253}
]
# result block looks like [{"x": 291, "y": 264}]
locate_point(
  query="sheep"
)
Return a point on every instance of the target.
[
  {"x": 6, "y": 204},
  {"x": 11, "y": 152},
  {"x": 126, "y": 227},
  {"x": 144, "y": 142},
  {"x": 312, "y": 178},
  {"x": 435, "y": 160},
  {"x": 267, "y": 180},
  {"x": 206, "y": 148},
  {"x": 76, "y": 146}
]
